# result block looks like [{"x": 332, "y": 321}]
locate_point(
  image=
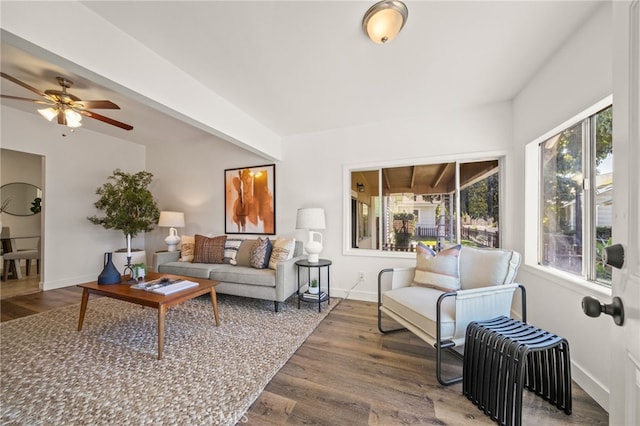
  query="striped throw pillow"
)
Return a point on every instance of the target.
[
  {"x": 231, "y": 247},
  {"x": 439, "y": 271}
]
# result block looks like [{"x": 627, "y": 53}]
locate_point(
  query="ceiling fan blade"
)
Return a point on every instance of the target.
[
  {"x": 105, "y": 119},
  {"x": 97, "y": 105},
  {"x": 25, "y": 85},
  {"x": 18, "y": 98}
]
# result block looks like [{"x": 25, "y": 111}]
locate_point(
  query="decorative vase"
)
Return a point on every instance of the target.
[{"x": 110, "y": 274}]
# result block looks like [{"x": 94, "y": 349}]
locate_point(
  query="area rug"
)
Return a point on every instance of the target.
[{"x": 108, "y": 372}]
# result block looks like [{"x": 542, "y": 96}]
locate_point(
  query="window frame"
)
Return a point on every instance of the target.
[
  {"x": 533, "y": 203},
  {"x": 347, "y": 169}
]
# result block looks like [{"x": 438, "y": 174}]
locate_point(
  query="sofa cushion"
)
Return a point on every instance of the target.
[
  {"x": 439, "y": 271},
  {"x": 243, "y": 275},
  {"x": 209, "y": 250},
  {"x": 282, "y": 250},
  {"x": 261, "y": 253},
  {"x": 243, "y": 258},
  {"x": 418, "y": 306},
  {"x": 487, "y": 267},
  {"x": 187, "y": 244},
  {"x": 231, "y": 250},
  {"x": 197, "y": 270}
]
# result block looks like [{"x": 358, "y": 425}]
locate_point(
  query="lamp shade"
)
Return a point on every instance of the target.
[
  {"x": 384, "y": 20},
  {"x": 310, "y": 218},
  {"x": 171, "y": 219}
]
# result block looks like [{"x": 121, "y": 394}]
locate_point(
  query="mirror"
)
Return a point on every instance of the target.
[{"x": 20, "y": 199}]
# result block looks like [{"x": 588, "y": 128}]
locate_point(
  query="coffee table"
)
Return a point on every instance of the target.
[{"x": 160, "y": 302}]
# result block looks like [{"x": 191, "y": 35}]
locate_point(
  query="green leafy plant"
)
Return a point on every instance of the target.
[
  {"x": 127, "y": 203},
  {"x": 314, "y": 283}
]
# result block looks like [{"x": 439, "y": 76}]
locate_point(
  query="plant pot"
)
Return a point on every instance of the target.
[{"x": 313, "y": 290}]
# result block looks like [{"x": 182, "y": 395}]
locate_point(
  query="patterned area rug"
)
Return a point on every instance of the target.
[{"x": 108, "y": 373}]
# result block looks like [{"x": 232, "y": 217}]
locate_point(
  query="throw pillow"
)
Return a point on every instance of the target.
[
  {"x": 186, "y": 248},
  {"x": 231, "y": 247},
  {"x": 209, "y": 250},
  {"x": 243, "y": 258},
  {"x": 439, "y": 271},
  {"x": 282, "y": 250},
  {"x": 260, "y": 253}
]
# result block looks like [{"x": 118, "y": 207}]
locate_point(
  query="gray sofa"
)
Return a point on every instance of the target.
[{"x": 240, "y": 279}]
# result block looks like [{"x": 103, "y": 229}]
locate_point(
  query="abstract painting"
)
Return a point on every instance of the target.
[{"x": 250, "y": 200}]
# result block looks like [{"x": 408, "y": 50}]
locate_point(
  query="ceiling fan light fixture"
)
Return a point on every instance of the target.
[
  {"x": 48, "y": 113},
  {"x": 73, "y": 118},
  {"x": 384, "y": 20}
]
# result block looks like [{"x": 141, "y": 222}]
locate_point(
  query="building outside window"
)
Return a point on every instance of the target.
[
  {"x": 434, "y": 204},
  {"x": 576, "y": 197}
]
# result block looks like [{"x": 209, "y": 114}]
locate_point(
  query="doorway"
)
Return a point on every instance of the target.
[{"x": 21, "y": 219}]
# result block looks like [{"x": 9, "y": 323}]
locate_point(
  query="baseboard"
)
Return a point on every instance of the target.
[
  {"x": 590, "y": 385},
  {"x": 365, "y": 296},
  {"x": 68, "y": 282}
]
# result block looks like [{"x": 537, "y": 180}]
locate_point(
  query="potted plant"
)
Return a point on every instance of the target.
[
  {"x": 313, "y": 286},
  {"x": 128, "y": 206},
  {"x": 139, "y": 270}
]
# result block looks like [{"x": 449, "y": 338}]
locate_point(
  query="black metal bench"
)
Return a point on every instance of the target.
[{"x": 503, "y": 356}]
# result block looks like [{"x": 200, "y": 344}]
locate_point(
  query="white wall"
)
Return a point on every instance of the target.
[
  {"x": 576, "y": 77},
  {"x": 75, "y": 166},
  {"x": 189, "y": 177},
  {"x": 313, "y": 169}
]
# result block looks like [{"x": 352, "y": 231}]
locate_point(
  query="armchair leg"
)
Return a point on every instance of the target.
[
  {"x": 383, "y": 331},
  {"x": 439, "y": 347}
]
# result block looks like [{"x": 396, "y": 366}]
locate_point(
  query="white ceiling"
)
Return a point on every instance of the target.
[{"x": 305, "y": 66}]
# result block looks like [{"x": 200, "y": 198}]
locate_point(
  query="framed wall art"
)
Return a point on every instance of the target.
[{"x": 250, "y": 200}]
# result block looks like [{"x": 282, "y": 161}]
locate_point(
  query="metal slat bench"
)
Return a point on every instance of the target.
[{"x": 503, "y": 356}]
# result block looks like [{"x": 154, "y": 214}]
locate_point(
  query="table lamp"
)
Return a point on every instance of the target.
[
  {"x": 172, "y": 220},
  {"x": 312, "y": 218}
]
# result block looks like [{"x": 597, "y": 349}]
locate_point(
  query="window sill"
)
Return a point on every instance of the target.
[
  {"x": 380, "y": 253},
  {"x": 568, "y": 281}
]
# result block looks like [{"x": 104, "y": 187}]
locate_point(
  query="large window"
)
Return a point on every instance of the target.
[
  {"x": 395, "y": 208},
  {"x": 576, "y": 197}
]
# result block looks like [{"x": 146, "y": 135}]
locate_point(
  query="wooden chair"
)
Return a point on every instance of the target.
[{"x": 13, "y": 258}]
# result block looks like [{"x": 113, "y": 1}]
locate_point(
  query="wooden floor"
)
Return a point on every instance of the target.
[{"x": 347, "y": 373}]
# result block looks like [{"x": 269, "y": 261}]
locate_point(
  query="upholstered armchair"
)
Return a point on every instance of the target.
[{"x": 438, "y": 298}]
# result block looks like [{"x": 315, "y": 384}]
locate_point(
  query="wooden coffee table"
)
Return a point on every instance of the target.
[{"x": 124, "y": 292}]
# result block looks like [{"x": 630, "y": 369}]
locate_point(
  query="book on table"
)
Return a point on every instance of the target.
[
  {"x": 165, "y": 285},
  {"x": 310, "y": 297}
]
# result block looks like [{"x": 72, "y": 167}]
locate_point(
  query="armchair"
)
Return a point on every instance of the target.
[{"x": 483, "y": 289}]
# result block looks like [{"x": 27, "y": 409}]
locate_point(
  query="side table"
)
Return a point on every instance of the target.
[{"x": 321, "y": 296}]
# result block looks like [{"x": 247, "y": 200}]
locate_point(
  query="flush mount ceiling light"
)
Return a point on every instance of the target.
[{"x": 384, "y": 20}]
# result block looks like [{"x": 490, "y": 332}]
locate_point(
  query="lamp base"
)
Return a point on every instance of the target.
[
  {"x": 313, "y": 258},
  {"x": 172, "y": 242}
]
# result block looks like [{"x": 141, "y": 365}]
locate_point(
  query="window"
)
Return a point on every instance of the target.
[
  {"x": 576, "y": 197},
  {"x": 395, "y": 208}
]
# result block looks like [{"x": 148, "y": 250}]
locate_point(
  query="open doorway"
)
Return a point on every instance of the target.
[{"x": 21, "y": 219}]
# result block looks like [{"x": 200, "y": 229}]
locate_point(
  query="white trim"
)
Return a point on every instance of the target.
[{"x": 347, "y": 169}]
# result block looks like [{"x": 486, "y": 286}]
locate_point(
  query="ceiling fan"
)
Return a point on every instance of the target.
[{"x": 68, "y": 108}]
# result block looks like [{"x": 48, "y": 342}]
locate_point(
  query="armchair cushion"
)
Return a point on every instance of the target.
[
  {"x": 418, "y": 306},
  {"x": 439, "y": 271},
  {"x": 481, "y": 267}
]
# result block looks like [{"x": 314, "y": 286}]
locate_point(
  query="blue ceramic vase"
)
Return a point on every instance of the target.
[{"x": 110, "y": 274}]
